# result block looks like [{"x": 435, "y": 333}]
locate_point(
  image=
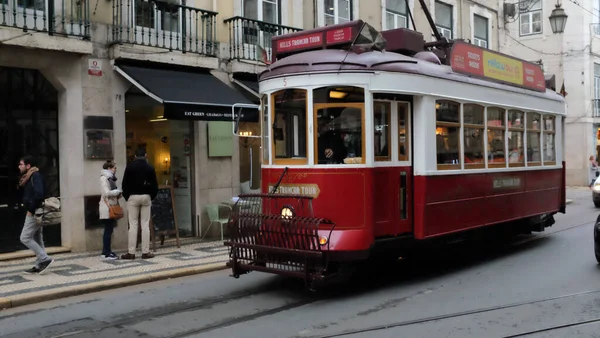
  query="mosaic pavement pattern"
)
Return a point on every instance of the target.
[{"x": 77, "y": 269}]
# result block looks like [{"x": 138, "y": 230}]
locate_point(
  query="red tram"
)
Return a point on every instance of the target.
[{"x": 418, "y": 142}]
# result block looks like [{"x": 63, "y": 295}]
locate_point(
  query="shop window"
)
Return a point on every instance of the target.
[
  {"x": 289, "y": 126},
  {"x": 339, "y": 120},
  {"x": 382, "y": 123},
  {"x": 447, "y": 134},
  {"x": 549, "y": 139},
  {"x": 473, "y": 136},
  {"x": 496, "y": 150},
  {"x": 403, "y": 132},
  {"x": 534, "y": 129},
  {"x": 516, "y": 131}
]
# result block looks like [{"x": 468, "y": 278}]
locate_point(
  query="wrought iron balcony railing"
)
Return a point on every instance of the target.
[
  {"x": 251, "y": 39},
  {"x": 55, "y": 17},
  {"x": 164, "y": 24}
]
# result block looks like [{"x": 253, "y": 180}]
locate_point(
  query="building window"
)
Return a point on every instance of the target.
[
  {"x": 473, "y": 136},
  {"x": 530, "y": 17},
  {"x": 534, "y": 128},
  {"x": 382, "y": 131},
  {"x": 496, "y": 149},
  {"x": 289, "y": 126},
  {"x": 447, "y": 134},
  {"x": 337, "y": 11},
  {"x": 396, "y": 14},
  {"x": 549, "y": 136},
  {"x": 480, "y": 31},
  {"x": 262, "y": 10},
  {"x": 443, "y": 19},
  {"x": 596, "y": 90}
]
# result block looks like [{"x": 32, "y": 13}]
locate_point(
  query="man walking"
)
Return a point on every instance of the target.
[
  {"x": 33, "y": 197},
  {"x": 140, "y": 187}
]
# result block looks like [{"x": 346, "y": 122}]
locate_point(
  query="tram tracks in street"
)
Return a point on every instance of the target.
[{"x": 400, "y": 324}]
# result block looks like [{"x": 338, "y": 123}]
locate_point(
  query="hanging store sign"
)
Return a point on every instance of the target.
[{"x": 472, "y": 60}]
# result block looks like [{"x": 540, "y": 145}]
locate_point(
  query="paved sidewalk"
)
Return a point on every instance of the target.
[{"x": 78, "y": 273}]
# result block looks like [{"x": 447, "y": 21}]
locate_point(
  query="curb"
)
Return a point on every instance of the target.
[{"x": 41, "y": 296}]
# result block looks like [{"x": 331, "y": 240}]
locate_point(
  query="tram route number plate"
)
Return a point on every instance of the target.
[{"x": 507, "y": 182}]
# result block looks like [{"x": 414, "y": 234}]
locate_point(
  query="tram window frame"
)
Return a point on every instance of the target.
[
  {"x": 387, "y": 127},
  {"x": 403, "y": 108},
  {"x": 439, "y": 125},
  {"x": 265, "y": 130},
  {"x": 548, "y": 132},
  {"x": 537, "y": 134},
  {"x": 493, "y": 128},
  {"x": 329, "y": 97},
  {"x": 473, "y": 125},
  {"x": 300, "y": 160},
  {"x": 516, "y": 120}
]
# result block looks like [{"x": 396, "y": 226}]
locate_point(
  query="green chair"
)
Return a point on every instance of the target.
[{"x": 214, "y": 216}]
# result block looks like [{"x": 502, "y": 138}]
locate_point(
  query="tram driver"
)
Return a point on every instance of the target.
[{"x": 330, "y": 144}]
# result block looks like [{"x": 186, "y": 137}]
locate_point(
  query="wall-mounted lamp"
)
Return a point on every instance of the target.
[
  {"x": 166, "y": 161},
  {"x": 558, "y": 19}
]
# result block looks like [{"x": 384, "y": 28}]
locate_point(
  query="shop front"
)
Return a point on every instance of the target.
[
  {"x": 28, "y": 126},
  {"x": 183, "y": 118}
]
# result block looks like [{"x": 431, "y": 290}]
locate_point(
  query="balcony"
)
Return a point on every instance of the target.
[
  {"x": 165, "y": 25},
  {"x": 251, "y": 39},
  {"x": 55, "y": 17}
]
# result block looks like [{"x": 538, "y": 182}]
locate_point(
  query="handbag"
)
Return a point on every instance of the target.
[{"x": 114, "y": 211}]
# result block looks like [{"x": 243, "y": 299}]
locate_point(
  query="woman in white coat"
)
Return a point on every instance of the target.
[{"x": 110, "y": 195}]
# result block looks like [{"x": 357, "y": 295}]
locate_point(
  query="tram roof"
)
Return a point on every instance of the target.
[{"x": 335, "y": 60}]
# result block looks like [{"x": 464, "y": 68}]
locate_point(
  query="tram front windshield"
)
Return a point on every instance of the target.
[{"x": 338, "y": 125}]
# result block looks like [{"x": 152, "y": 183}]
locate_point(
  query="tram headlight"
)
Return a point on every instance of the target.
[
  {"x": 287, "y": 212},
  {"x": 323, "y": 240},
  {"x": 596, "y": 187}
]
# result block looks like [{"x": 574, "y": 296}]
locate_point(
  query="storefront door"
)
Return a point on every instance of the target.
[{"x": 28, "y": 126}]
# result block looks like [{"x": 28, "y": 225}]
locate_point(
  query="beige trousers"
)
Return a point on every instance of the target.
[{"x": 138, "y": 208}]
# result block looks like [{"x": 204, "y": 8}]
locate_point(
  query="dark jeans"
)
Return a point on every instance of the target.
[{"x": 109, "y": 225}]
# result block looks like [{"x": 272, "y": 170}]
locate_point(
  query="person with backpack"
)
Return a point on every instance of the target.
[{"x": 33, "y": 197}]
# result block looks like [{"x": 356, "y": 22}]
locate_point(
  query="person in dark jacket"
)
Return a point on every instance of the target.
[
  {"x": 330, "y": 145},
  {"x": 140, "y": 187},
  {"x": 33, "y": 197}
]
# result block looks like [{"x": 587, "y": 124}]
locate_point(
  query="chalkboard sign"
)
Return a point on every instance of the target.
[{"x": 164, "y": 220}]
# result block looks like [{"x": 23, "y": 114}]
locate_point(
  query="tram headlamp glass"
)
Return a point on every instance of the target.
[
  {"x": 596, "y": 187},
  {"x": 287, "y": 212}
]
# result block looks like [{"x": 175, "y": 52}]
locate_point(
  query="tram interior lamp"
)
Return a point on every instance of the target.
[
  {"x": 558, "y": 19},
  {"x": 337, "y": 95}
]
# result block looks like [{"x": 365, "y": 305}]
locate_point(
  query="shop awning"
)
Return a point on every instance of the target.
[
  {"x": 189, "y": 95},
  {"x": 250, "y": 85}
]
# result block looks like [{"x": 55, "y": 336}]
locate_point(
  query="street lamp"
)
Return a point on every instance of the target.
[{"x": 558, "y": 19}]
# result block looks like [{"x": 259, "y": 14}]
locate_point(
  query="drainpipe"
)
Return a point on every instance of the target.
[{"x": 315, "y": 20}]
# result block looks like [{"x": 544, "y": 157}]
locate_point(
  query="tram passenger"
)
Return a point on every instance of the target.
[{"x": 330, "y": 145}]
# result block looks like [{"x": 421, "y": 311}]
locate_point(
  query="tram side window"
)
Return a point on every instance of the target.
[
  {"x": 382, "y": 138},
  {"x": 447, "y": 134},
  {"x": 473, "y": 136},
  {"x": 549, "y": 137},
  {"x": 403, "y": 132},
  {"x": 289, "y": 124},
  {"x": 496, "y": 150},
  {"x": 516, "y": 132},
  {"x": 339, "y": 116},
  {"x": 534, "y": 128}
]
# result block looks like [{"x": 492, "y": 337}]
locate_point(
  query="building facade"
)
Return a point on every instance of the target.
[
  {"x": 573, "y": 58},
  {"x": 84, "y": 82}
]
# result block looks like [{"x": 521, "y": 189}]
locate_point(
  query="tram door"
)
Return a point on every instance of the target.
[{"x": 393, "y": 168}]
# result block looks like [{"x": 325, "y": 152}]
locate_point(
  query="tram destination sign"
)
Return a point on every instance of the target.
[
  {"x": 316, "y": 38},
  {"x": 473, "y": 60}
]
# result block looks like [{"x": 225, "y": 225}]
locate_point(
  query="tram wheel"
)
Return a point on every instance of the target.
[
  {"x": 597, "y": 239},
  {"x": 597, "y": 204}
]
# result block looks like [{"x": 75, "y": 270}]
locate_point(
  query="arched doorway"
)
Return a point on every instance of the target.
[{"x": 28, "y": 125}]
